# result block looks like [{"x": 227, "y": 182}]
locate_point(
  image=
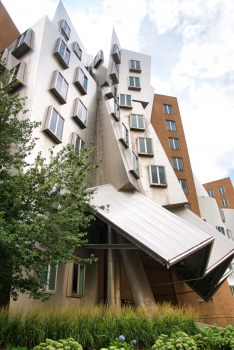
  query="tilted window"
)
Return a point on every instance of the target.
[
  {"x": 77, "y": 50},
  {"x": 65, "y": 30},
  {"x": 184, "y": 185},
  {"x": 17, "y": 76},
  {"x": 167, "y": 109},
  {"x": 224, "y": 202},
  {"x": 116, "y": 54},
  {"x": 79, "y": 144},
  {"x": 62, "y": 53},
  {"x": 81, "y": 81},
  {"x": 135, "y": 165},
  {"x": 174, "y": 143},
  {"x": 78, "y": 279},
  {"x": 49, "y": 277},
  {"x": 137, "y": 122},
  {"x": 125, "y": 101},
  {"x": 13, "y": 74},
  {"x": 221, "y": 190},
  {"x": 124, "y": 139},
  {"x": 80, "y": 113},
  {"x": 171, "y": 125},
  {"x": 60, "y": 87},
  {"x": 134, "y": 83},
  {"x": 114, "y": 90},
  {"x": 98, "y": 59},
  {"x": 157, "y": 175},
  {"x": 22, "y": 43},
  {"x": 135, "y": 66},
  {"x": 114, "y": 74},
  {"x": 229, "y": 234},
  {"x": 145, "y": 146},
  {"x": 221, "y": 229},
  {"x": 115, "y": 110},
  {"x": 210, "y": 193},
  {"x": 54, "y": 125},
  {"x": 177, "y": 163}
]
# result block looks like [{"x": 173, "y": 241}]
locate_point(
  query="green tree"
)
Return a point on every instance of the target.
[{"x": 44, "y": 207}]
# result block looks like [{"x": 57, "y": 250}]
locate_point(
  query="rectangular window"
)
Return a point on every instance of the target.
[
  {"x": 221, "y": 190},
  {"x": 56, "y": 124},
  {"x": 82, "y": 112},
  {"x": 98, "y": 59},
  {"x": 171, "y": 125},
  {"x": 137, "y": 122},
  {"x": 79, "y": 144},
  {"x": 184, "y": 185},
  {"x": 60, "y": 87},
  {"x": 20, "y": 40},
  {"x": 13, "y": 74},
  {"x": 135, "y": 66},
  {"x": 167, "y": 109},
  {"x": 210, "y": 193},
  {"x": 77, "y": 50},
  {"x": 114, "y": 90},
  {"x": 22, "y": 43},
  {"x": 229, "y": 234},
  {"x": 221, "y": 229},
  {"x": 177, "y": 163},
  {"x": 81, "y": 81},
  {"x": 78, "y": 279},
  {"x": 224, "y": 202},
  {"x": 135, "y": 164},
  {"x": 134, "y": 83},
  {"x": 115, "y": 112},
  {"x": 62, "y": 53},
  {"x": 174, "y": 143},
  {"x": 124, "y": 138},
  {"x": 65, "y": 30},
  {"x": 145, "y": 146},
  {"x": 116, "y": 54},
  {"x": 49, "y": 277},
  {"x": 126, "y": 101},
  {"x": 157, "y": 175}
]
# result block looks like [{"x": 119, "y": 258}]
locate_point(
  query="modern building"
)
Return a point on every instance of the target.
[{"x": 150, "y": 247}]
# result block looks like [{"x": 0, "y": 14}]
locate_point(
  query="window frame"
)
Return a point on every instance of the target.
[
  {"x": 224, "y": 202},
  {"x": 133, "y": 170},
  {"x": 63, "y": 31},
  {"x": 221, "y": 190},
  {"x": 78, "y": 83},
  {"x": 81, "y": 143},
  {"x": 134, "y": 87},
  {"x": 145, "y": 153},
  {"x": 174, "y": 143},
  {"x": 74, "y": 45},
  {"x": 114, "y": 74},
  {"x": 116, "y": 111},
  {"x": 58, "y": 54},
  {"x": 76, "y": 115},
  {"x": 16, "y": 79},
  {"x": 137, "y": 127},
  {"x": 125, "y": 100},
  {"x": 221, "y": 229},
  {"x": 134, "y": 69},
  {"x": 158, "y": 175},
  {"x": 124, "y": 137},
  {"x": 47, "y": 129},
  {"x": 21, "y": 47},
  {"x": 98, "y": 59},
  {"x": 229, "y": 234},
  {"x": 54, "y": 89},
  {"x": 46, "y": 285},
  {"x": 210, "y": 192},
  {"x": 171, "y": 121},
  {"x": 77, "y": 295},
  {"x": 180, "y": 181},
  {"x": 116, "y": 54},
  {"x": 167, "y": 108},
  {"x": 177, "y": 163}
]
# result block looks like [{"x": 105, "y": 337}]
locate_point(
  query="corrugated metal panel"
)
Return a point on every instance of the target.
[
  {"x": 223, "y": 247},
  {"x": 149, "y": 225}
]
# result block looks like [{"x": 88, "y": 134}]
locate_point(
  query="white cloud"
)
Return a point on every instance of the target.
[
  {"x": 161, "y": 86},
  {"x": 26, "y": 13}
]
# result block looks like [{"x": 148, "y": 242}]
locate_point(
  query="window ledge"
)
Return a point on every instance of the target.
[
  {"x": 158, "y": 185},
  {"x": 114, "y": 78},
  {"x": 135, "y": 70},
  {"x": 79, "y": 121},
  {"x": 135, "y": 174},
  {"x": 52, "y": 134},
  {"x": 123, "y": 142},
  {"x": 61, "y": 60},
  {"x": 14, "y": 84},
  {"x": 136, "y": 129},
  {"x": 58, "y": 95},
  {"x": 20, "y": 50},
  {"x": 146, "y": 154},
  {"x": 75, "y": 296},
  {"x": 134, "y": 88},
  {"x": 82, "y": 90},
  {"x": 109, "y": 95},
  {"x": 124, "y": 106},
  {"x": 115, "y": 116}
]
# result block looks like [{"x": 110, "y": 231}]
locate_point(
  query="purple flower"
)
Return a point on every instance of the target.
[
  {"x": 121, "y": 338},
  {"x": 134, "y": 342}
]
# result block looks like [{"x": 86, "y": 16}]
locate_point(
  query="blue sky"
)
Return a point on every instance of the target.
[{"x": 192, "y": 49}]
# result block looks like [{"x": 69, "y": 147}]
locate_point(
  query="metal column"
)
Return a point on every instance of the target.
[{"x": 113, "y": 272}]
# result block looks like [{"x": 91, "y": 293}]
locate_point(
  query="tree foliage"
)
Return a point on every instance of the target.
[{"x": 44, "y": 207}]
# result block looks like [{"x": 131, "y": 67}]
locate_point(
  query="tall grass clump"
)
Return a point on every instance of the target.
[{"x": 94, "y": 326}]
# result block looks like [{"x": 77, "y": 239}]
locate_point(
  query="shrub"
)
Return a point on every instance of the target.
[
  {"x": 177, "y": 341},
  {"x": 68, "y": 344}
]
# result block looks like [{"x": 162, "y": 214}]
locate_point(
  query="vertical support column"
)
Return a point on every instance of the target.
[
  {"x": 117, "y": 279},
  {"x": 113, "y": 272},
  {"x": 137, "y": 280}
]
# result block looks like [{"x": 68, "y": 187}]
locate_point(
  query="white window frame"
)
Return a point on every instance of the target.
[
  {"x": 177, "y": 163},
  {"x": 115, "y": 112},
  {"x": 63, "y": 31},
  {"x": 61, "y": 57},
  {"x": 124, "y": 135},
  {"x": 76, "y": 51},
  {"x": 134, "y": 69},
  {"x": 19, "y": 40},
  {"x": 151, "y": 179},
  {"x": 114, "y": 73},
  {"x": 47, "y": 128},
  {"x": 210, "y": 193},
  {"x": 224, "y": 202},
  {"x": 76, "y": 116},
  {"x": 125, "y": 101},
  {"x": 81, "y": 143},
  {"x": 116, "y": 54},
  {"x": 221, "y": 229},
  {"x": 54, "y": 88},
  {"x": 180, "y": 181},
  {"x": 135, "y": 169},
  {"x": 114, "y": 90},
  {"x": 221, "y": 190},
  {"x": 171, "y": 128},
  {"x": 174, "y": 143},
  {"x": 229, "y": 234},
  {"x": 145, "y": 153},
  {"x": 137, "y": 122},
  {"x": 80, "y": 79},
  {"x": 46, "y": 285},
  {"x": 134, "y": 86},
  {"x": 78, "y": 280},
  {"x": 167, "y": 109}
]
